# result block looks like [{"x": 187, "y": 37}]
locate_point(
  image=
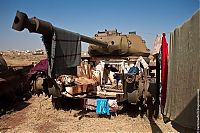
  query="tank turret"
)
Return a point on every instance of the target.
[{"x": 119, "y": 44}]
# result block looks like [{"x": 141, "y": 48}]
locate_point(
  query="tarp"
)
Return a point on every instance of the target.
[{"x": 184, "y": 73}]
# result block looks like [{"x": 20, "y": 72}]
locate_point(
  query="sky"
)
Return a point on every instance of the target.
[{"x": 87, "y": 17}]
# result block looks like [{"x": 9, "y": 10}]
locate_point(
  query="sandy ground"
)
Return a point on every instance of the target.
[
  {"x": 22, "y": 60},
  {"x": 38, "y": 116}
]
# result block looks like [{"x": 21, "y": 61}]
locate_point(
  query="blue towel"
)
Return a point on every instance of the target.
[{"x": 102, "y": 106}]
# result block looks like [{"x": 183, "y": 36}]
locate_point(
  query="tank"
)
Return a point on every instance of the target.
[
  {"x": 119, "y": 44},
  {"x": 107, "y": 43},
  {"x": 104, "y": 43}
]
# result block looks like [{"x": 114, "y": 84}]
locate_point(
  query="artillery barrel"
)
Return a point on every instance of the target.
[{"x": 36, "y": 25}]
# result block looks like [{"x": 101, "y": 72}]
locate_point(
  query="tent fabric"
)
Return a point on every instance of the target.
[
  {"x": 64, "y": 52},
  {"x": 184, "y": 73}
]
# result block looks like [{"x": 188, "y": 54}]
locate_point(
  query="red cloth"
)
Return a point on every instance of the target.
[
  {"x": 164, "y": 70},
  {"x": 40, "y": 67}
]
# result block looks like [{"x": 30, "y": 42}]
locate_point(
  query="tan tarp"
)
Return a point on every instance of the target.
[{"x": 184, "y": 73}]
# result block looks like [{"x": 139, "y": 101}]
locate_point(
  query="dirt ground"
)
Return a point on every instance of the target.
[
  {"x": 12, "y": 59},
  {"x": 37, "y": 115}
]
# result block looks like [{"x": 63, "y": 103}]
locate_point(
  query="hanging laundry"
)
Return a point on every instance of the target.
[
  {"x": 164, "y": 71},
  {"x": 157, "y": 44},
  {"x": 64, "y": 52},
  {"x": 142, "y": 61},
  {"x": 102, "y": 106}
]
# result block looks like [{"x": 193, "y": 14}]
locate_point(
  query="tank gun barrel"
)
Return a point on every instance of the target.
[{"x": 36, "y": 25}]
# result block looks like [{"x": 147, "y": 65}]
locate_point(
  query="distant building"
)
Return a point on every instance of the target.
[{"x": 38, "y": 52}]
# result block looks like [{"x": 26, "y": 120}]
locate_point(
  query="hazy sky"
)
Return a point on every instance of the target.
[{"x": 146, "y": 17}]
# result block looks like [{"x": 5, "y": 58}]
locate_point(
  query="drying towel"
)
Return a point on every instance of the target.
[
  {"x": 64, "y": 52},
  {"x": 102, "y": 106}
]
